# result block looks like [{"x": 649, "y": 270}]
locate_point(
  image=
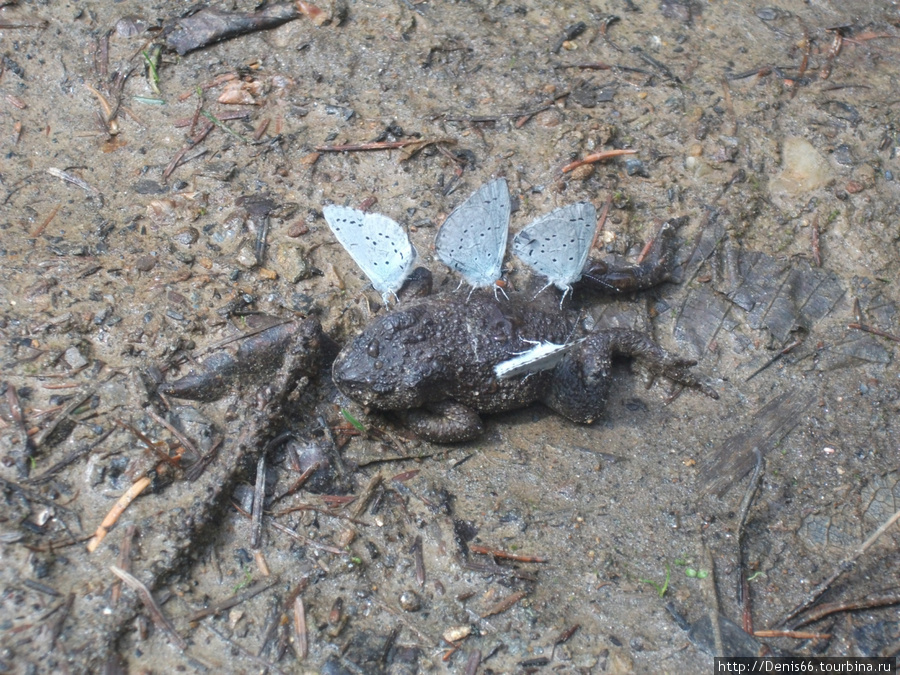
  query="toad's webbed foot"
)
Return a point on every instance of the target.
[
  {"x": 603, "y": 345},
  {"x": 656, "y": 268},
  {"x": 444, "y": 422},
  {"x": 581, "y": 381}
]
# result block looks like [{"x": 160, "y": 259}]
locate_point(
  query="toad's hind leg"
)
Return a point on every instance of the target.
[
  {"x": 580, "y": 386},
  {"x": 444, "y": 422}
]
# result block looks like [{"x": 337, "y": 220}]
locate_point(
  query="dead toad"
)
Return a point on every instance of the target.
[{"x": 433, "y": 359}]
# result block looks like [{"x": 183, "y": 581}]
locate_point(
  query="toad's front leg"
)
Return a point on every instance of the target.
[
  {"x": 444, "y": 422},
  {"x": 580, "y": 386}
]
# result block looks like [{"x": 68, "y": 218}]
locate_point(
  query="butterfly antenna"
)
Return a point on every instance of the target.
[{"x": 603, "y": 283}]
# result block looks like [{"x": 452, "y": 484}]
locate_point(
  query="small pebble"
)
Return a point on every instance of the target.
[
  {"x": 186, "y": 236},
  {"x": 246, "y": 258},
  {"x": 582, "y": 172},
  {"x": 844, "y": 155},
  {"x": 410, "y": 601},
  {"x": 298, "y": 229},
  {"x": 145, "y": 263},
  {"x": 129, "y": 26},
  {"x": 457, "y": 633},
  {"x": 74, "y": 358},
  {"x": 291, "y": 262},
  {"x": 635, "y": 167}
]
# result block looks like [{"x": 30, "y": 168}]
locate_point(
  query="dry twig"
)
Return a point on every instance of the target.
[
  {"x": 116, "y": 512},
  {"x": 596, "y": 157},
  {"x": 159, "y": 619}
]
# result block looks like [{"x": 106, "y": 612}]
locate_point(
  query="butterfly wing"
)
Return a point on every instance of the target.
[
  {"x": 376, "y": 243},
  {"x": 543, "y": 356},
  {"x": 472, "y": 240},
  {"x": 557, "y": 244}
]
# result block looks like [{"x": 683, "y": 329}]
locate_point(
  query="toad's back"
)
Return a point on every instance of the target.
[{"x": 446, "y": 347}]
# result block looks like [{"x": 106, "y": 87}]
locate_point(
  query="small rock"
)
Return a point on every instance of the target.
[
  {"x": 584, "y": 661},
  {"x": 74, "y": 358},
  {"x": 145, "y": 263},
  {"x": 148, "y": 187},
  {"x": 583, "y": 172},
  {"x": 769, "y": 13},
  {"x": 549, "y": 118},
  {"x": 635, "y": 167},
  {"x": 291, "y": 262},
  {"x": 234, "y": 616},
  {"x": 129, "y": 26},
  {"x": 457, "y": 633},
  {"x": 804, "y": 168},
  {"x": 844, "y": 155},
  {"x": 221, "y": 171},
  {"x": 186, "y": 236},
  {"x": 410, "y": 601},
  {"x": 298, "y": 229},
  {"x": 246, "y": 257}
]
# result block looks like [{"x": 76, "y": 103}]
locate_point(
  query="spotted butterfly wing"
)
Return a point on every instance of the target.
[
  {"x": 472, "y": 241},
  {"x": 376, "y": 243},
  {"x": 557, "y": 244}
]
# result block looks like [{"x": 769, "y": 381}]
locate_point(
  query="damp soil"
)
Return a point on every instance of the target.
[{"x": 148, "y": 222}]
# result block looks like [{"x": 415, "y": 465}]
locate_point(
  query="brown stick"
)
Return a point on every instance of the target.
[
  {"x": 184, "y": 440},
  {"x": 475, "y": 548},
  {"x": 310, "y": 470},
  {"x": 308, "y": 542},
  {"x": 259, "y": 497},
  {"x": 796, "y": 634},
  {"x": 116, "y": 511},
  {"x": 236, "y": 599},
  {"x": 833, "y": 607},
  {"x": 302, "y": 644},
  {"x": 874, "y": 331},
  {"x": 419, "y": 558},
  {"x": 124, "y": 561},
  {"x": 40, "y": 228},
  {"x": 159, "y": 619},
  {"x": 597, "y": 157},
  {"x": 746, "y": 504},
  {"x": 504, "y": 604},
  {"x": 176, "y": 160}
]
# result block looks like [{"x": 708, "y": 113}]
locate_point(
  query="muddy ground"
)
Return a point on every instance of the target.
[{"x": 774, "y": 129}]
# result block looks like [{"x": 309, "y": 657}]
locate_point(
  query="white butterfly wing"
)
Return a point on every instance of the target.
[
  {"x": 543, "y": 356},
  {"x": 557, "y": 244},
  {"x": 376, "y": 243},
  {"x": 472, "y": 240}
]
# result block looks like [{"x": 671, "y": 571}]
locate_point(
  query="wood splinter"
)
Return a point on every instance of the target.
[{"x": 116, "y": 511}]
